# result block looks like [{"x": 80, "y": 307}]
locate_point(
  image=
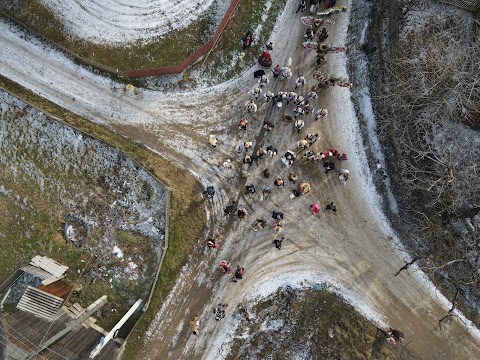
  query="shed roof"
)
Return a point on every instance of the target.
[
  {"x": 40, "y": 303},
  {"x": 50, "y": 265}
]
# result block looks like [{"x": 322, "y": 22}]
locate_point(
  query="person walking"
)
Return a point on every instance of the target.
[
  {"x": 269, "y": 96},
  {"x": 292, "y": 177},
  {"x": 300, "y": 81},
  {"x": 212, "y": 139},
  {"x": 239, "y": 271},
  {"x": 312, "y": 95},
  {"x": 230, "y": 208},
  {"x": 299, "y": 124},
  {"x": 331, "y": 207},
  {"x": 272, "y": 150},
  {"x": 263, "y": 80},
  {"x": 315, "y": 208},
  {"x": 209, "y": 192},
  {"x": 256, "y": 92},
  {"x": 242, "y": 124},
  {"x": 268, "y": 126},
  {"x": 247, "y": 159},
  {"x": 286, "y": 73},
  {"x": 321, "y": 113},
  {"x": 292, "y": 95},
  {"x": 242, "y": 213},
  {"x": 277, "y": 215},
  {"x": 266, "y": 191},
  {"x": 260, "y": 223},
  {"x": 251, "y": 106},
  {"x": 261, "y": 152},
  {"x": 302, "y": 6},
  {"x": 279, "y": 182},
  {"x": 278, "y": 242},
  {"x": 247, "y": 145},
  {"x": 276, "y": 71},
  {"x": 299, "y": 100},
  {"x": 225, "y": 267},
  {"x": 312, "y": 139},
  {"x": 343, "y": 176},
  {"x": 329, "y": 166},
  {"x": 298, "y": 111},
  {"x": 302, "y": 144},
  {"x": 277, "y": 227}
]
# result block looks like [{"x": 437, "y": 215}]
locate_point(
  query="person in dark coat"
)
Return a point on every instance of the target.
[
  {"x": 230, "y": 208},
  {"x": 302, "y": 6},
  {"x": 242, "y": 213},
  {"x": 272, "y": 150},
  {"x": 277, "y": 215},
  {"x": 331, "y": 207},
  {"x": 328, "y": 166},
  {"x": 259, "y": 73},
  {"x": 209, "y": 192},
  {"x": 239, "y": 271},
  {"x": 267, "y": 125},
  {"x": 247, "y": 40},
  {"x": 278, "y": 243}
]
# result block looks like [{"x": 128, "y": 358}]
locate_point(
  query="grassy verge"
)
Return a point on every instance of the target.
[
  {"x": 168, "y": 51},
  {"x": 312, "y": 323},
  {"x": 223, "y": 62},
  {"x": 37, "y": 226},
  {"x": 185, "y": 199}
]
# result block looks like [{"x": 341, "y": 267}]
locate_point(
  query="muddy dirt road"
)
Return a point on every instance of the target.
[{"x": 354, "y": 249}]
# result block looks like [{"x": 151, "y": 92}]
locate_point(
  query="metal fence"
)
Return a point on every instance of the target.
[{"x": 470, "y": 5}]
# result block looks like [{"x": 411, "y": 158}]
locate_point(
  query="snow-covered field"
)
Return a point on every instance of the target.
[{"x": 117, "y": 22}]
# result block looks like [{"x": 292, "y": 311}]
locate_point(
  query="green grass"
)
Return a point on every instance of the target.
[
  {"x": 30, "y": 230},
  {"x": 222, "y": 63},
  {"x": 308, "y": 317},
  {"x": 187, "y": 213},
  {"x": 168, "y": 51}
]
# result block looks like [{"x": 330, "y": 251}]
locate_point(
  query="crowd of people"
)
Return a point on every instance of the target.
[
  {"x": 305, "y": 111},
  {"x": 302, "y": 111}
]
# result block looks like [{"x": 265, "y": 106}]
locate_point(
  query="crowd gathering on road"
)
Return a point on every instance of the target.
[{"x": 302, "y": 106}]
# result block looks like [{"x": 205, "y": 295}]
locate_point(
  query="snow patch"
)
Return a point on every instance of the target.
[
  {"x": 118, "y": 22},
  {"x": 117, "y": 252},
  {"x": 367, "y": 111},
  {"x": 272, "y": 325}
]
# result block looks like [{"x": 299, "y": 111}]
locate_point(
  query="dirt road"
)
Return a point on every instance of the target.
[{"x": 354, "y": 250}]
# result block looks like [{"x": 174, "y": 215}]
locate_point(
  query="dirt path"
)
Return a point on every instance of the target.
[{"x": 353, "y": 250}]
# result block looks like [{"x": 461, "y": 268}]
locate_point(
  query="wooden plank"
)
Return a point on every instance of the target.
[
  {"x": 58, "y": 288},
  {"x": 78, "y": 307}
]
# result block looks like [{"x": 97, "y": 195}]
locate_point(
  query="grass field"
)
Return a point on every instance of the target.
[
  {"x": 222, "y": 62},
  {"x": 310, "y": 324},
  {"x": 167, "y": 51},
  {"x": 185, "y": 199},
  {"x": 163, "y": 52}
]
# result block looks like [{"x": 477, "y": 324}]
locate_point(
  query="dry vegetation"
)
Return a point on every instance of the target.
[
  {"x": 310, "y": 324},
  {"x": 187, "y": 214},
  {"x": 429, "y": 105}
]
